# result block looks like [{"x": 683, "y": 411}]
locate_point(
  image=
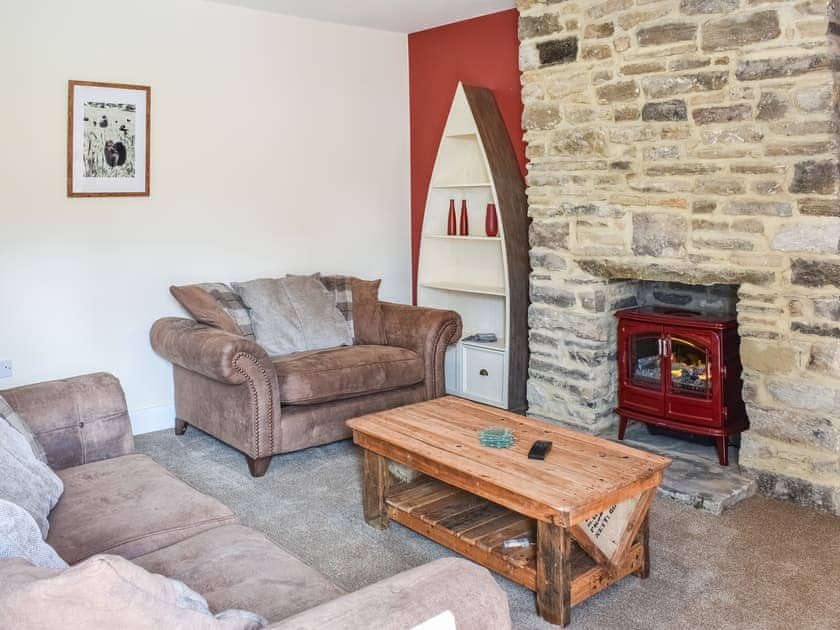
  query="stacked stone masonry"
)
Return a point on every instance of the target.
[{"x": 690, "y": 141}]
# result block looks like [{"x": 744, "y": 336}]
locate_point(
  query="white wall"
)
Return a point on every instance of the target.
[{"x": 278, "y": 145}]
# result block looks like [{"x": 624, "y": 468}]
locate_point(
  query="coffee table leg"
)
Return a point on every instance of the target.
[
  {"x": 644, "y": 537},
  {"x": 375, "y": 481},
  {"x": 554, "y": 576}
]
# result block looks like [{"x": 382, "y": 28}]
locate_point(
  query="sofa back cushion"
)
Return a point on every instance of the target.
[
  {"x": 106, "y": 592},
  {"x": 293, "y": 314},
  {"x": 24, "y": 479},
  {"x": 77, "y": 420},
  {"x": 21, "y": 538},
  {"x": 368, "y": 323},
  {"x": 19, "y": 424}
]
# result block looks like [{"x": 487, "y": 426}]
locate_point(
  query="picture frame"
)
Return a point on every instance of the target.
[{"x": 108, "y": 139}]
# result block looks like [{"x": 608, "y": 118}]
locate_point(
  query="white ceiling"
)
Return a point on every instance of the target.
[{"x": 403, "y": 16}]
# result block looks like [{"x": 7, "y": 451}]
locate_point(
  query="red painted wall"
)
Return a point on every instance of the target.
[{"x": 483, "y": 52}]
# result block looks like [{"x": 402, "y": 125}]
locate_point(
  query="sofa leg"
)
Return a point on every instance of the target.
[
  {"x": 180, "y": 426},
  {"x": 258, "y": 466}
]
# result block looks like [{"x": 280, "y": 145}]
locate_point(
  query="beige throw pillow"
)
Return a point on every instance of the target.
[
  {"x": 24, "y": 479},
  {"x": 19, "y": 424},
  {"x": 293, "y": 314},
  {"x": 21, "y": 538},
  {"x": 106, "y": 592}
]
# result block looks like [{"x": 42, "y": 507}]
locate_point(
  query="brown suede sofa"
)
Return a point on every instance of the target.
[
  {"x": 116, "y": 501},
  {"x": 229, "y": 387}
]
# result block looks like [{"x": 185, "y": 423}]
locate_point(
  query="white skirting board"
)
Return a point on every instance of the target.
[{"x": 151, "y": 419}]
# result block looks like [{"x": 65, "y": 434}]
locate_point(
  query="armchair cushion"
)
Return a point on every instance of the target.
[
  {"x": 293, "y": 314},
  {"x": 205, "y": 308},
  {"x": 340, "y": 287},
  {"x": 128, "y": 506},
  {"x": 369, "y": 327},
  {"x": 307, "y": 378}
]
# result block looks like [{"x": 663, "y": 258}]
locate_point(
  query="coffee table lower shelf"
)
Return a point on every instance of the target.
[{"x": 477, "y": 528}]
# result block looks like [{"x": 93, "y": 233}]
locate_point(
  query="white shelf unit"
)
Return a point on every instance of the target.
[{"x": 468, "y": 274}]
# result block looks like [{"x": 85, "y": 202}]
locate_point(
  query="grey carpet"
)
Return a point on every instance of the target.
[{"x": 762, "y": 565}]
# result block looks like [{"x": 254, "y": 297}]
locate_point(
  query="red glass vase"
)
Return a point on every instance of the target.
[
  {"x": 465, "y": 221},
  {"x": 451, "y": 226},
  {"x": 491, "y": 221}
]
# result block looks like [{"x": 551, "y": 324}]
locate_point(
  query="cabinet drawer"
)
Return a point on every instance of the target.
[{"x": 483, "y": 374}]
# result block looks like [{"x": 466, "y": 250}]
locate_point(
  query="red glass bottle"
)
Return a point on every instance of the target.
[
  {"x": 491, "y": 221},
  {"x": 465, "y": 221},
  {"x": 451, "y": 226}
]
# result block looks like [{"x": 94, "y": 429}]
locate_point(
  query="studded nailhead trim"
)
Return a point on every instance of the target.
[
  {"x": 255, "y": 400},
  {"x": 449, "y": 329}
]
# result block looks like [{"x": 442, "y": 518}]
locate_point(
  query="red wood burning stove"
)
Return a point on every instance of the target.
[{"x": 680, "y": 370}]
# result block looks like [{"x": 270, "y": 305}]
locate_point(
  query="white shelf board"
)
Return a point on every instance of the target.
[
  {"x": 467, "y": 185},
  {"x": 456, "y": 237},
  {"x": 464, "y": 288},
  {"x": 462, "y": 134}
]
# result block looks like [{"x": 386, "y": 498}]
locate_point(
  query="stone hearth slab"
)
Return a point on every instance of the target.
[{"x": 695, "y": 478}]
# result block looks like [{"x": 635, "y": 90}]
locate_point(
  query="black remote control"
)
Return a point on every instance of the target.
[{"x": 539, "y": 450}]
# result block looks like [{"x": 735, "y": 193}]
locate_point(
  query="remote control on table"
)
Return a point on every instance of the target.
[{"x": 539, "y": 449}]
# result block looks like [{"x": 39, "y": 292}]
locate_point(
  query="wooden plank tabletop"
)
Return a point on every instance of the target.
[{"x": 581, "y": 476}]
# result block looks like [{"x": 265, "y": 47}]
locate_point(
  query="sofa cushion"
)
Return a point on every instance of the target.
[
  {"x": 307, "y": 378},
  {"x": 106, "y": 592},
  {"x": 21, "y": 538},
  {"x": 236, "y": 567},
  {"x": 205, "y": 308},
  {"x": 369, "y": 325},
  {"x": 127, "y": 506},
  {"x": 19, "y": 424},
  {"x": 232, "y": 305},
  {"x": 341, "y": 290},
  {"x": 24, "y": 479},
  {"x": 293, "y": 314}
]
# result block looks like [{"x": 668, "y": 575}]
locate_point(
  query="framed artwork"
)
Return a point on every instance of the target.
[{"x": 108, "y": 139}]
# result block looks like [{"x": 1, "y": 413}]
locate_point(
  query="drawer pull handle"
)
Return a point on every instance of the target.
[{"x": 483, "y": 372}]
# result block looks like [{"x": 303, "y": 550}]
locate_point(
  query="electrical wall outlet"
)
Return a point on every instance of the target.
[{"x": 5, "y": 369}]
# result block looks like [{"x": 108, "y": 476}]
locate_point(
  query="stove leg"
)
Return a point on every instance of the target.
[
  {"x": 722, "y": 446},
  {"x": 622, "y": 427}
]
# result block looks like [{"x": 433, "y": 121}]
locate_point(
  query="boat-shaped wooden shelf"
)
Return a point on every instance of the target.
[{"x": 485, "y": 279}]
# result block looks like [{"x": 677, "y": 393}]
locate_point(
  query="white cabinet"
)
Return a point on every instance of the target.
[{"x": 483, "y": 375}]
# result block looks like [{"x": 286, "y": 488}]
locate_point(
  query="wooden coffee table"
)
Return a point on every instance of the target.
[{"x": 584, "y": 509}]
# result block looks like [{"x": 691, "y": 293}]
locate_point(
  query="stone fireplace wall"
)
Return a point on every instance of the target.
[{"x": 690, "y": 141}]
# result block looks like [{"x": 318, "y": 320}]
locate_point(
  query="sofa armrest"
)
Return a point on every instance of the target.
[
  {"x": 427, "y": 331},
  {"x": 77, "y": 420},
  {"x": 409, "y": 598},
  {"x": 209, "y": 351}
]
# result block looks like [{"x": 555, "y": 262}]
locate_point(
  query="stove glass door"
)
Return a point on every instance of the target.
[
  {"x": 690, "y": 368},
  {"x": 645, "y": 360}
]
